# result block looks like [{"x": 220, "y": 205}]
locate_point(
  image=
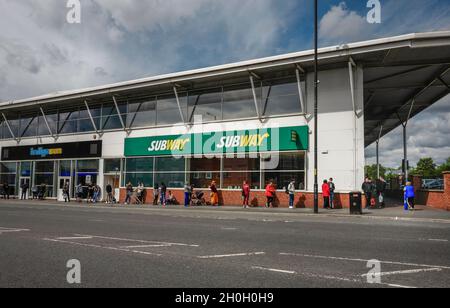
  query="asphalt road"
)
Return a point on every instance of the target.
[{"x": 214, "y": 248}]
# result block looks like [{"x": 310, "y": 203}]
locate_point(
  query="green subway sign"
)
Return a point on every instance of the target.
[{"x": 243, "y": 141}]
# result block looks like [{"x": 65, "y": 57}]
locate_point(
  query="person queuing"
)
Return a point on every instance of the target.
[
  {"x": 245, "y": 194},
  {"x": 381, "y": 189},
  {"x": 25, "y": 187},
  {"x": 129, "y": 192},
  {"x": 187, "y": 194},
  {"x": 79, "y": 192},
  {"x": 163, "y": 192},
  {"x": 270, "y": 194},
  {"x": 367, "y": 188},
  {"x": 332, "y": 189},
  {"x": 155, "y": 194},
  {"x": 66, "y": 192},
  {"x": 291, "y": 191},
  {"x": 5, "y": 191},
  {"x": 214, "y": 194},
  {"x": 109, "y": 195},
  {"x": 326, "y": 194},
  {"x": 409, "y": 196}
]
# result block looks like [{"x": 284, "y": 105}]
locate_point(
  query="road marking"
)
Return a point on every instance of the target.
[
  {"x": 102, "y": 247},
  {"x": 229, "y": 229},
  {"x": 398, "y": 286},
  {"x": 437, "y": 240},
  {"x": 232, "y": 255},
  {"x": 136, "y": 241},
  {"x": 10, "y": 230},
  {"x": 75, "y": 238},
  {"x": 414, "y": 271},
  {"x": 363, "y": 260},
  {"x": 146, "y": 246},
  {"x": 274, "y": 270}
]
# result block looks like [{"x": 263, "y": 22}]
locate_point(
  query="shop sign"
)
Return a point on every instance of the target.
[{"x": 243, "y": 141}]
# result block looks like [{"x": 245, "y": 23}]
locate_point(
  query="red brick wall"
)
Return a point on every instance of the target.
[
  {"x": 257, "y": 198},
  {"x": 447, "y": 189}
]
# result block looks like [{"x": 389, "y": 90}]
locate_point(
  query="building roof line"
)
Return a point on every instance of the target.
[{"x": 414, "y": 40}]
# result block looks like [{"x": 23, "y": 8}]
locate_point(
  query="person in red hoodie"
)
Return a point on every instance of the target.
[
  {"x": 270, "y": 194},
  {"x": 326, "y": 194},
  {"x": 245, "y": 194}
]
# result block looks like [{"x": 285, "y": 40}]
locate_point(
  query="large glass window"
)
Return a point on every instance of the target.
[
  {"x": 168, "y": 111},
  {"x": 207, "y": 104},
  {"x": 28, "y": 126},
  {"x": 44, "y": 175},
  {"x": 139, "y": 170},
  {"x": 111, "y": 166},
  {"x": 282, "y": 168},
  {"x": 52, "y": 120},
  {"x": 25, "y": 169},
  {"x": 87, "y": 171},
  {"x": 238, "y": 102},
  {"x": 65, "y": 168},
  {"x": 170, "y": 164},
  {"x": 142, "y": 114},
  {"x": 8, "y": 176},
  {"x": 280, "y": 97}
]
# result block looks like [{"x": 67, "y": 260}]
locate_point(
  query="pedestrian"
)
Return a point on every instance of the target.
[
  {"x": 381, "y": 188},
  {"x": 25, "y": 187},
  {"x": 291, "y": 191},
  {"x": 409, "y": 196},
  {"x": 140, "y": 192},
  {"x": 332, "y": 189},
  {"x": 367, "y": 188},
  {"x": 171, "y": 200},
  {"x": 129, "y": 193},
  {"x": 214, "y": 194},
  {"x": 326, "y": 195},
  {"x": 163, "y": 191},
  {"x": 270, "y": 194},
  {"x": 97, "y": 193},
  {"x": 187, "y": 194},
  {"x": 109, "y": 196},
  {"x": 155, "y": 194},
  {"x": 245, "y": 194},
  {"x": 79, "y": 192},
  {"x": 43, "y": 191},
  {"x": 66, "y": 192},
  {"x": 90, "y": 193},
  {"x": 5, "y": 191}
]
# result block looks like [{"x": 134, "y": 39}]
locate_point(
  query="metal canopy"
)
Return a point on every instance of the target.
[{"x": 397, "y": 71}]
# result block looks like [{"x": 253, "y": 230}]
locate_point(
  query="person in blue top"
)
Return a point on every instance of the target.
[{"x": 409, "y": 196}]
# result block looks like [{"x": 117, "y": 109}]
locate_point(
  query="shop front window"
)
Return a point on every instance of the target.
[
  {"x": 111, "y": 166},
  {"x": 87, "y": 172},
  {"x": 65, "y": 168},
  {"x": 8, "y": 176},
  {"x": 25, "y": 169},
  {"x": 204, "y": 179},
  {"x": 44, "y": 176}
]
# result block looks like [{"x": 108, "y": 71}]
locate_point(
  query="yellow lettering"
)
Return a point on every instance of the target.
[
  {"x": 170, "y": 145},
  {"x": 253, "y": 140},
  {"x": 262, "y": 138},
  {"x": 244, "y": 140}
]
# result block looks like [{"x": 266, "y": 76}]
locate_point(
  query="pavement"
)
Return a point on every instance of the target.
[{"x": 227, "y": 247}]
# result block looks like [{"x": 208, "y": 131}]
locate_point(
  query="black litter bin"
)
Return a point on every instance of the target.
[{"x": 356, "y": 203}]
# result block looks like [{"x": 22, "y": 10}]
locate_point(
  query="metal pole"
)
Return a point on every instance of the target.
[
  {"x": 405, "y": 155},
  {"x": 316, "y": 85},
  {"x": 378, "y": 161}
]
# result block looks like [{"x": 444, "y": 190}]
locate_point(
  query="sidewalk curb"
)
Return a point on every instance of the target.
[{"x": 236, "y": 210}]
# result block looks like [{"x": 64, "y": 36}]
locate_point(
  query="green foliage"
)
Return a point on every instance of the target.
[{"x": 371, "y": 171}]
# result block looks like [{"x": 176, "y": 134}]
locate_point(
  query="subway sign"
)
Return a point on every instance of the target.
[
  {"x": 243, "y": 141},
  {"x": 89, "y": 149}
]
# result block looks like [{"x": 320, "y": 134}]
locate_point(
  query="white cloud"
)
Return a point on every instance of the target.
[{"x": 340, "y": 25}]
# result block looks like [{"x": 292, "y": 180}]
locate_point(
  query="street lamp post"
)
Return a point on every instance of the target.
[{"x": 316, "y": 86}]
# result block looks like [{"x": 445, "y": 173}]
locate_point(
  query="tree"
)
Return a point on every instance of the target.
[
  {"x": 444, "y": 167},
  {"x": 426, "y": 168},
  {"x": 371, "y": 171}
]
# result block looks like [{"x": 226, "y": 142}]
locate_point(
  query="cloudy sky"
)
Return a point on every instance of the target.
[{"x": 126, "y": 39}]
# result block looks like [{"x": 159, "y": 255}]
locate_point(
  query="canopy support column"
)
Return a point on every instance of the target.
[
  {"x": 378, "y": 153},
  {"x": 255, "y": 98},
  {"x": 9, "y": 128}
]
